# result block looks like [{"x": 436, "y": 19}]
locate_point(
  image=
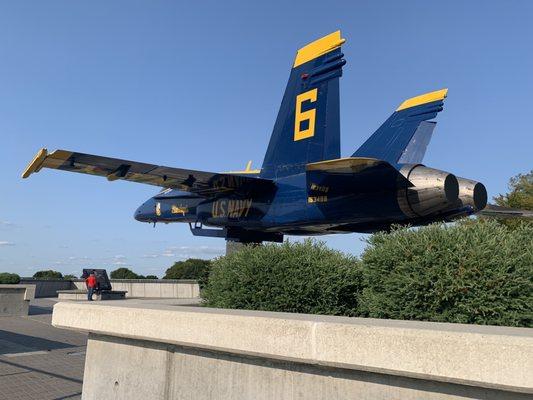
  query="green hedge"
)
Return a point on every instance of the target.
[
  {"x": 470, "y": 272},
  {"x": 6, "y": 277},
  {"x": 293, "y": 277}
]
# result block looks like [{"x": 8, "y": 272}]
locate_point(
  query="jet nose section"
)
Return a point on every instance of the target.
[
  {"x": 138, "y": 214},
  {"x": 145, "y": 212}
]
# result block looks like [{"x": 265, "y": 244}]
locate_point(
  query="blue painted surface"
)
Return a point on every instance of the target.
[
  {"x": 395, "y": 135},
  {"x": 284, "y": 155}
]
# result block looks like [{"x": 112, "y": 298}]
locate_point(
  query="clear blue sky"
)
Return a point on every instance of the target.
[{"x": 198, "y": 85}]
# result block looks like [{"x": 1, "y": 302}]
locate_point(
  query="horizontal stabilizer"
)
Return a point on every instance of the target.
[
  {"x": 405, "y": 135},
  {"x": 492, "y": 210},
  {"x": 203, "y": 183},
  {"x": 354, "y": 175}
]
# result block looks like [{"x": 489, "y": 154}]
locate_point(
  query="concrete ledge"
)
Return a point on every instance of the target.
[
  {"x": 498, "y": 358},
  {"x": 15, "y": 299},
  {"x": 78, "y": 294}
]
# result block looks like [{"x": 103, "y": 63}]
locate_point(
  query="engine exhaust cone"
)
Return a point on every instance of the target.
[
  {"x": 480, "y": 196},
  {"x": 451, "y": 188}
]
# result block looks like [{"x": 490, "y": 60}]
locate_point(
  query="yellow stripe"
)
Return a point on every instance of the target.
[
  {"x": 248, "y": 170},
  {"x": 342, "y": 164},
  {"x": 35, "y": 164},
  {"x": 243, "y": 172},
  {"x": 423, "y": 99},
  {"x": 318, "y": 47}
]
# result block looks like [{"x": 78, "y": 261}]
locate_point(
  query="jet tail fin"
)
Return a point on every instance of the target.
[
  {"x": 307, "y": 128},
  {"x": 405, "y": 135}
]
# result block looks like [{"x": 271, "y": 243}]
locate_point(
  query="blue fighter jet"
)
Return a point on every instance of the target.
[{"x": 304, "y": 187}]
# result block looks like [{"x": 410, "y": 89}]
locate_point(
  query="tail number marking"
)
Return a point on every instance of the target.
[{"x": 302, "y": 116}]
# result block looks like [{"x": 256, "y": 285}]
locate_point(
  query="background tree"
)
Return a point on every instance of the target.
[
  {"x": 6, "y": 277},
  {"x": 193, "y": 268},
  {"x": 520, "y": 196},
  {"x": 151, "y": 277},
  {"x": 69, "y": 277},
  {"x": 48, "y": 274},
  {"x": 123, "y": 273}
]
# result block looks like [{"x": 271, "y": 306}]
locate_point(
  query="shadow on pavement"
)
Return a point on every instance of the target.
[
  {"x": 15, "y": 343},
  {"x": 41, "y": 371},
  {"x": 38, "y": 310}
]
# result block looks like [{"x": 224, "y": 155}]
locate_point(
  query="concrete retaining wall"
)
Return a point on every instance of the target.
[
  {"x": 47, "y": 287},
  {"x": 156, "y": 288},
  {"x": 73, "y": 294},
  {"x": 15, "y": 299},
  {"x": 189, "y": 352}
]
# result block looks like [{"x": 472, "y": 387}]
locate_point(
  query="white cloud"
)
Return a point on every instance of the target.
[
  {"x": 119, "y": 257},
  {"x": 6, "y": 243},
  {"x": 119, "y": 263},
  {"x": 184, "y": 252},
  {"x": 150, "y": 256},
  {"x": 79, "y": 258}
]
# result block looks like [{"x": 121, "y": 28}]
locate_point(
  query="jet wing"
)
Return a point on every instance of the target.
[
  {"x": 208, "y": 184},
  {"x": 492, "y": 210}
]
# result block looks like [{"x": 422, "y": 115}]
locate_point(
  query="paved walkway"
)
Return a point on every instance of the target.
[{"x": 38, "y": 361}]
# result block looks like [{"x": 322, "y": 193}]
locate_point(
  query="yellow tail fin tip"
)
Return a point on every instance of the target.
[{"x": 423, "y": 99}]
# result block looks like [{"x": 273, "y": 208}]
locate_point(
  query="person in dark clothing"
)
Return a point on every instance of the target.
[{"x": 91, "y": 286}]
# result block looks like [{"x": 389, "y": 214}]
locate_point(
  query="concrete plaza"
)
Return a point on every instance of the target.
[{"x": 38, "y": 361}]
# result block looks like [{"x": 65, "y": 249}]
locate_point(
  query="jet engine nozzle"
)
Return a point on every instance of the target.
[
  {"x": 472, "y": 193},
  {"x": 433, "y": 190}
]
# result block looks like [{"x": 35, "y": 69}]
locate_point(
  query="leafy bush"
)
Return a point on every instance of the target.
[
  {"x": 6, "y": 277},
  {"x": 124, "y": 273},
  {"x": 48, "y": 274},
  {"x": 293, "y": 277},
  {"x": 478, "y": 272},
  {"x": 193, "y": 268},
  {"x": 151, "y": 277},
  {"x": 69, "y": 277}
]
